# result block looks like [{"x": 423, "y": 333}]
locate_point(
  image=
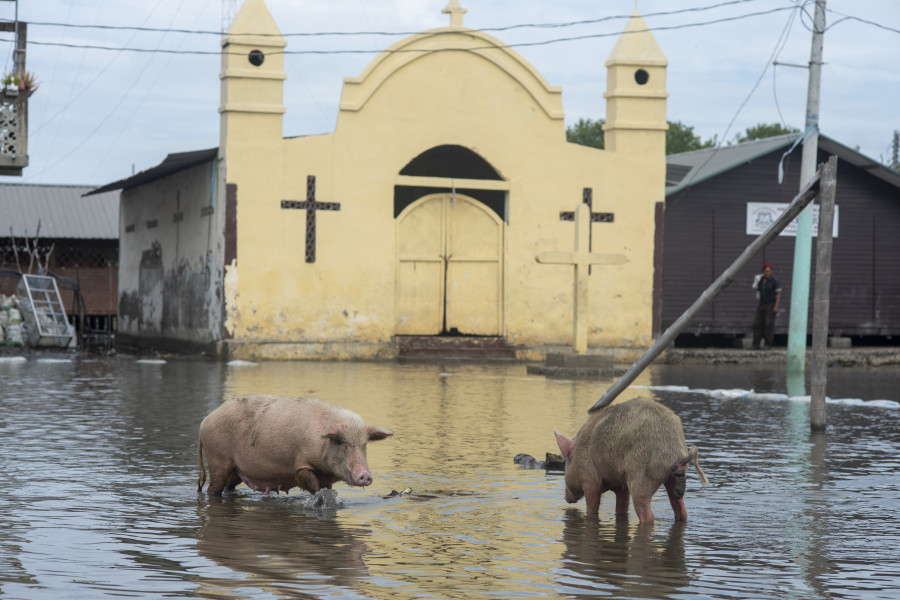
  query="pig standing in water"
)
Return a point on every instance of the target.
[
  {"x": 273, "y": 444},
  {"x": 630, "y": 448}
]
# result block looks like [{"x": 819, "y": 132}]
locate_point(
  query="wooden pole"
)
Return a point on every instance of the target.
[
  {"x": 797, "y": 204},
  {"x": 821, "y": 299}
]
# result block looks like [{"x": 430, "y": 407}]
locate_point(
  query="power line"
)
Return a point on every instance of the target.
[
  {"x": 866, "y": 21},
  {"x": 784, "y": 39},
  {"x": 430, "y": 50},
  {"x": 385, "y": 33},
  {"x": 779, "y": 45}
]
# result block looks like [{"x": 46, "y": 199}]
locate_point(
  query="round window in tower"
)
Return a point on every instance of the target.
[
  {"x": 256, "y": 57},
  {"x": 641, "y": 76}
]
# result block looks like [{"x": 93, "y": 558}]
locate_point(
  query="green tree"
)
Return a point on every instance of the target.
[
  {"x": 681, "y": 138},
  {"x": 762, "y": 131},
  {"x": 586, "y": 132}
]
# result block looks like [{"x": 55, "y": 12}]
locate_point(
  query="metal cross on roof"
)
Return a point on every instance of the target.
[{"x": 311, "y": 206}]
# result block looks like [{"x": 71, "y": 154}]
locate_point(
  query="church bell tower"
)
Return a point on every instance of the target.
[
  {"x": 252, "y": 86},
  {"x": 636, "y": 93}
]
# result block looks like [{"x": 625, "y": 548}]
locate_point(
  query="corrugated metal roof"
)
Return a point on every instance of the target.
[
  {"x": 172, "y": 164},
  {"x": 62, "y": 211},
  {"x": 690, "y": 168}
]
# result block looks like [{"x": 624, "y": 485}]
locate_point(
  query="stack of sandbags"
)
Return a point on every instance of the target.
[{"x": 10, "y": 321}]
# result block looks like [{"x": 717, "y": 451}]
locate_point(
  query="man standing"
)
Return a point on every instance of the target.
[{"x": 769, "y": 296}]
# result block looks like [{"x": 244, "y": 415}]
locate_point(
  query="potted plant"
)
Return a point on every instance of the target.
[
  {"x": 28, "y": 83},
  {"x": 11, "y": 85}
]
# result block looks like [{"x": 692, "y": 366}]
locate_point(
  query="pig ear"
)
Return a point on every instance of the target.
[
  {"x": 566, "y": 446},
  {"x": 377, "y": 433},
  {"x": 336, "y": 432}
]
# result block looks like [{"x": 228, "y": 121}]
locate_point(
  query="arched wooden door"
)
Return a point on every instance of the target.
[{"x": 450, "y": 267}]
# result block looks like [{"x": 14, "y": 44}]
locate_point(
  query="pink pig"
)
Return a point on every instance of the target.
[
  {"x": 630, "y": 448},
  {"x": 273, "y": 443}
]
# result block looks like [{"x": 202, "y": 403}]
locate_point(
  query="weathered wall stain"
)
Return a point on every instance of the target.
[{"x": 186, "y": 301}]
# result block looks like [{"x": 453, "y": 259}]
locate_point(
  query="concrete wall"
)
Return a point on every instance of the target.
[
  {"x": 170, "y": 261},
  {"x": 243, "y": 278},
  {"x": 485, "y": 98}
]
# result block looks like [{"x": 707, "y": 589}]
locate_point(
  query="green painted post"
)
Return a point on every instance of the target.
[
  {"x": 796, "y": 350},
  {"x": 797, "y": 326}
]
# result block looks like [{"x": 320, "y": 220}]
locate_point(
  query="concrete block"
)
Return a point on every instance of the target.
[
  {"x": 579, "y": 361},
  {"x": 839, "y": 342}
]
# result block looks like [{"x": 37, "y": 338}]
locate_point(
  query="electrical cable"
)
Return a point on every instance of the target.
[
  {"x": 778, "y": 44},
  {"x": 106, "y": 117},
  {"x": 386, "y": 33},
  {"x": 140, "y": 103},
  {"x": 785, "y": 36},
  {"x": 432, "y": 50},
  {"x": 798, "y": 7}
]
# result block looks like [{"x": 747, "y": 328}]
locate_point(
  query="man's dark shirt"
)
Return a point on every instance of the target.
[{"x": 767, "y": 289}]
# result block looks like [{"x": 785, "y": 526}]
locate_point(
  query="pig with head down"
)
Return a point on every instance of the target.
[
  {"x": 631, "y": 448},
  {"x": 273, "y": 443}
]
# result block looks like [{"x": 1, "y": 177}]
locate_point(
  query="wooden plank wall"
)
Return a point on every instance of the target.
[{"x": 705, "y": 231}]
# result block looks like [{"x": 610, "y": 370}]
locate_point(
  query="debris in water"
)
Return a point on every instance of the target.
[
  {"x": 241, "y": 363},
  {"x": 553, "y": 462},
  {"x": 427, "y": 494}
]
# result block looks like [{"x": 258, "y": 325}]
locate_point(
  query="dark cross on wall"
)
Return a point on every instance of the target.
[
  {"x": 311, "y": 206},
  {"x": 587, "y": 196}
]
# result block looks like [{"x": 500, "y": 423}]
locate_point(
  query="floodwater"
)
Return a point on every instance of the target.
[{"x": 99, "y": 496}]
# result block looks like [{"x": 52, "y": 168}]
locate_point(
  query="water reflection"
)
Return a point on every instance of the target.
[
  {"x": 626, "y": 560},
  {"x": 812, "y": 554},
  {"x": 278, "y": 548},
  {"x": 99, "y": 497}
]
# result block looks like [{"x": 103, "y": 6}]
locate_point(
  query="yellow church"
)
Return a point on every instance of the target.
[{"x": 447, "y": 202}]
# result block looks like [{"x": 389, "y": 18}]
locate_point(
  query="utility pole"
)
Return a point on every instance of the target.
[
  {"x": 895, "y": 162},
  {"x": 796, "y": 351}
]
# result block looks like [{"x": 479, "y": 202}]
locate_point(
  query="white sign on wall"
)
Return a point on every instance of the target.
[{"x": 760, "y": 215}]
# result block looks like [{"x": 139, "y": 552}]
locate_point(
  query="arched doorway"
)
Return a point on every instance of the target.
[{"x": 449, "y": 267}]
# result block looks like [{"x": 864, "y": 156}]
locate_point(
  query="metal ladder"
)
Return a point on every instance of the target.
[{"x": 43, "y": 310}]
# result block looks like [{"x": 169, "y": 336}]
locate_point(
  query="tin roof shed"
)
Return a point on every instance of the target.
[{"x": 62, "y": 211}]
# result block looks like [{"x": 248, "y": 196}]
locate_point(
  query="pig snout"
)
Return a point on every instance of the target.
[{"x": 362, "y": 477}]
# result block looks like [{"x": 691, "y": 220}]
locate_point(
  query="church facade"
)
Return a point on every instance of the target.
[{"x": 446, "y": 202}]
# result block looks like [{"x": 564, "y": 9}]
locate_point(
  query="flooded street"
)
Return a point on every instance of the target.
[{"x": 99, "y": 496}]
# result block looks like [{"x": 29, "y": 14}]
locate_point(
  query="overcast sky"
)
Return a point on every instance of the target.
[{"x": 101, "y": 114}]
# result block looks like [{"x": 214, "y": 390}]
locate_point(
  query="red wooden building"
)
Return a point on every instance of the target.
[{"x": 78, "y": 241}]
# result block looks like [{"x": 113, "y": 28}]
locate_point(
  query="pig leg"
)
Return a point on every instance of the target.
[
  {"x": 592, "y": 493},
  {"x": 222, "y": 475},
  {"x": 233, "y": 480},
  {"x": 622, "y": 498},
  {"x": 307, "y": 480},
  {"x": 641, "y": 493},
  {"x": 642, "y": 508},
  {"x": 676, "y": 498}
]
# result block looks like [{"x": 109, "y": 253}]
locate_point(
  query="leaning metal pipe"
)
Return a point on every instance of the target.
[{"x": 797, "y": 204}]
